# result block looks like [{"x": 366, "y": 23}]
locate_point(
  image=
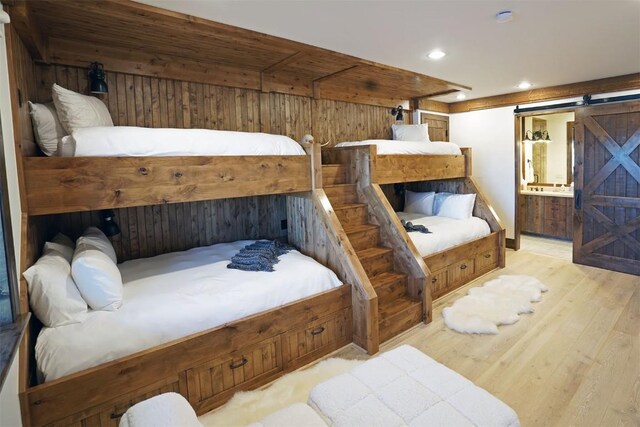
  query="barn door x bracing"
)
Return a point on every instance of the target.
[{"x": 607, "y": 184}]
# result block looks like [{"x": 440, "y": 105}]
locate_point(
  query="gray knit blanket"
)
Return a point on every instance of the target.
[
  {"x": 259, "y": 256},
  {"x": 409, "y": 226}
]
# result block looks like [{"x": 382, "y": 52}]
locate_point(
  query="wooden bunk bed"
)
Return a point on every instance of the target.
[
  {"x": 159, "y": 80},
  {"x": 206, "y": 368},
  {"x": 446, "y": 270}
]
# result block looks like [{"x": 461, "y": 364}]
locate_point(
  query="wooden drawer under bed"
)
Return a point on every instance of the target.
[
  {"x": 455, "y": 267},
  {"x": 206, "y": 368}
]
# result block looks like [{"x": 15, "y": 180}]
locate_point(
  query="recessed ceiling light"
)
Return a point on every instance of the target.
[
  {"x": 461, "y": 96},
  {"x": 436, "y": 54},
  {"x": 504, "y": 16},
  {"x": 524, "y": 85}
]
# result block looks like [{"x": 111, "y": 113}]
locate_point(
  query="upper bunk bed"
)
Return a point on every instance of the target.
[
  {"x": 410, "y": 157},
  {"x": 125, "y": 175}
]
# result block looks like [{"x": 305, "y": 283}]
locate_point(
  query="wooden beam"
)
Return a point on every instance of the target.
[
  {"x": 283, "y": 63},
  {"x": 431, "y": 105},
  {"x": 28, "y": 29},
  {"x": 333, "y": 75},
  {"x": 610, "y": 84}
]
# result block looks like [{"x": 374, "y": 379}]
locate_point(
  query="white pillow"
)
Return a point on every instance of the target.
[
  {"x": 77, "y": 111},
  {"x": 62, "y": 239},
  {"x": 65, "y": 251},
  {"x": 94, "y": 238},
  {"x": 458, "y": 206},
  {"x": 47, "y": 129},
  {"x": 421, "y": 203},
  {"x": 411, "y": 132},
  {"x": 97, "y": 278},
  {"x": 53, "y": 294}
]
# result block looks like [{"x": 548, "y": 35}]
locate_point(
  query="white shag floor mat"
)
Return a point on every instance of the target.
[
  {"x": 498, "y": 302},
  {"x": 248, "y": 407}
]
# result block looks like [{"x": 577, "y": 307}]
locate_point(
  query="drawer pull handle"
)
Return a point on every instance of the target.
[
  {"x": 434, "y": 280},
  {"x": 463, "y": 267},
  {"x": 240, "y": 364},
  {"x": 116, "y": 415},
  {"x": 487, "y": 255},
  {"x": 318, "y": 331}
]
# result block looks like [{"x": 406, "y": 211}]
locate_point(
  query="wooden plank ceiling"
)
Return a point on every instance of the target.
[{"x": 139, "y": 39}]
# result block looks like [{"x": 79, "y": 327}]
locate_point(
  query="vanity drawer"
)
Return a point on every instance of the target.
[
  {"x": 322, "y": 336},
  {"x": 213, "y": 382},
  {"x": 439, "y": 283},
  {"x": 487, "y": 260},
  {"x": 460, "y": 271}
]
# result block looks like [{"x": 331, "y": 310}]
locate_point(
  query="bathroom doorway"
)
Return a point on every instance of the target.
[{"x": 544, "y": 179}]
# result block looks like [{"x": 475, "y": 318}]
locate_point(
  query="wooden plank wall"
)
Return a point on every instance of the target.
[
  {"x": 155, "y": 102},
  {"x": 135, "y": 100},
  {"x": 25, "y": 72},
  {"x": 152, "y": 230}
]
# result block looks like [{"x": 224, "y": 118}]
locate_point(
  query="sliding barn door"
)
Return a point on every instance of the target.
[{"x": 607, "y": 184}]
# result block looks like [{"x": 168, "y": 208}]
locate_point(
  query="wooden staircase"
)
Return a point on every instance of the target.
[{"x": 397, "y": 312}]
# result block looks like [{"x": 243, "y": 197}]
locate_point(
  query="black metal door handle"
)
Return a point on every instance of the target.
[{"x": 578, "y": 199}]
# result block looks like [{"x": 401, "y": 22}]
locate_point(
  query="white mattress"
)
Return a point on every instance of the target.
[
  {"x": 407, "y": 147},
  {"x": 445, "y": 232},
  {"x": 123, "y": 141},
  {"x": 172, "y": 296}
]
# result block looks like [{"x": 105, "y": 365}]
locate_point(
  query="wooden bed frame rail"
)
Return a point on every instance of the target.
[
  {"x": 397, "y": 168},
  {"x": 206, "y": 368},
  {"x": 73, "y": 184},
  {"x": 457, "y": 266}
]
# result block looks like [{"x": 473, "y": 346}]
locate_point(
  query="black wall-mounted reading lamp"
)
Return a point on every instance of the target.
[
  {"x": 97, "y": 78},
  {"x": 397, "y": 111},
  {"x": 109, "y": 224}
]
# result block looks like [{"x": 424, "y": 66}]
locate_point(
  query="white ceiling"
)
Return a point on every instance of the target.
[{"x": 549, "y": 42}]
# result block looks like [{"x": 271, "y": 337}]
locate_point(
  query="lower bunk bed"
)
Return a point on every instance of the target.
[
  {"x": 177, "y": 331},
  {"x": 458, "y": 247}
]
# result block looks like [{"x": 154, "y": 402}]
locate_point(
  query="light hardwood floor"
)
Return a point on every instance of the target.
[{"x": 575, "y": 361}]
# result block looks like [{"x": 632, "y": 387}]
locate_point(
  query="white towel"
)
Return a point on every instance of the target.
[
  {"x": 296, "y": 415},
  {"x": 528, "y": 159}
]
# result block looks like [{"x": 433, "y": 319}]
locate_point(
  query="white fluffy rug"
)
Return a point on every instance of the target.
[
  {"x": 498, "y": 302},
  {"x": 247, "y": 407}
]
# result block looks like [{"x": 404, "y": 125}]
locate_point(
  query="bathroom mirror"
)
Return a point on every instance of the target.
[{"x": 548, "y": 162}]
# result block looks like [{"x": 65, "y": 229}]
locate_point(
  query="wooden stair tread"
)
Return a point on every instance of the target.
[
  {"x": 350, "y": 206},
  {"x": 386, "y": 278},
  {"x": 373, "y": 252},
  {"x": 348, "y": 185},
  {"x": 358, "y": 228},
  {"x": 390, "y": 308}
]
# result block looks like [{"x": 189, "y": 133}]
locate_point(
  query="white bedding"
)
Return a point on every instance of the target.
[
  {"x": 122, "y": 141},
  {"x": 407, "y": 147},
  {"x": 445, "y": 232},
  {"x": 172, "y": 296}
]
